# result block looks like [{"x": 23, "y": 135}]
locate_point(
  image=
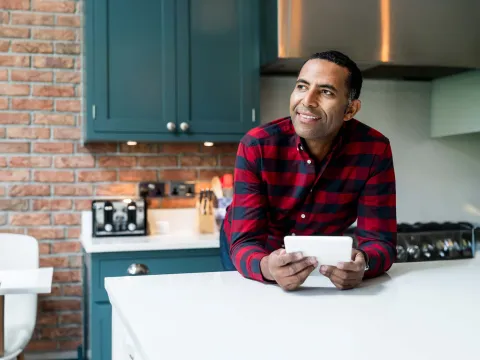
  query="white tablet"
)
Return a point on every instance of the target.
[{"x": 329, "y": 250}]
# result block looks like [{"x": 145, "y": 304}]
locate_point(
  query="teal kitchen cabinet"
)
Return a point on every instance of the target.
[
  {"x": 97, "y": 309},
  {"x": 454, "y": 104},
  {"x": 171, "y": 70}
]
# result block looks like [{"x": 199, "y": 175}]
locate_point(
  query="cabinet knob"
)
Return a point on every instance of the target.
[
  {"x": 138, "y": 269},
  {"x": 171, "y": 126},
  {"x": 184, "y": 126}
]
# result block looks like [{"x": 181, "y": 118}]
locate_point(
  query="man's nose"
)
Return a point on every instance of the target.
[{"x": 310, "y": 99}]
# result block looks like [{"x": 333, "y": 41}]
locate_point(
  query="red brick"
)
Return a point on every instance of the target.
[
  {"x": 97, "y": 176},
  {"x": 44, "y": 248},
  {"x": 2, "y": 133},
  {"x": 157, "y": 161},
  {"x": 14, "y": 175},
  {"x": 28, "y": 133},
  {"x": 30, "y": 219},
  {"x": 13, "y": 205},
  {"x": 14, "y": 60},
  {"x": 31, "y": 18},
  {"x": 73, "y": 190},
  {"x": 138, "y": 175},
  {"x": 4, "y": 47},
  {"x": 228, "y": 160},
  {"x": 53, "y": 34},
  {"x": 3, "y": 160},
  {"x": 14, "y": 89},
  {"x": 70, "y": 318},
  {"x": 29, "y": 190},
  {"x": 69, "y": 345},
  {"x": 3, "y": 219},
  {"x": 116, "y": 190},
  {"x": 97, "y": 148},
  {"x": 52, "y": 205},
  {"x": 14, "y": 147},
  {"x": 4, "y": 72},
  {"x": 32, "y": 47},
  {"x": 75, "y": 262},
  {"x": 67, "y": 134},
  {"x": 73, "y": 290},
  {"x": 14, "y": 32},
  {"x": 54, "y": 176},
  {"x": 32, "y": 75},
  {"x": 57, "y": 262},
  {"x": 209, "y": 174},
  {"x": 193, "y": 160},
  {"x": 54, "y": 119},
  {"x": 4, "y": 17},
  {"x": 140, "y": 148},
  {"x": 2, "y": 190},
  {"x": 47, "y": 319},
  {"x": 181, "y": 148},
  {"x": 13, "y": 230},
  {"x": 68, "y": 105},
  {"x": 75, "y": 161},
  {"x": 46, "y": 233},
  {"x": 41, "y": 345},
  {"x": 69, "y": 20},
  {"x": 30, "y": 161},
  {"x": 67, "y": 219},
  {"x": 66, "y": 276},
  {"x": 59, "y": 305},
  {"x": 223, "y": 148},
  {"x": 54, "y": 90},
  {"x": 15, "y": 4},
  {"x": 53, "y": 62},
  {"x": 116, "y": 161},
  {"x": 51, "y": 147},
  {"x": 32, "y": 104},
  {"x": 74, "y": 77},
  {"x": 83, "y": 204},
  {"x": 60, "y": 333},
  {"x": 53, "y": 6},
  {"x": 68, "y": 49},
  {"x": 73, "y": 232},
  {"x": 14, "y": 118},
  {"x": 3, "y": 103},
  {"x": 180, "y": 174}
]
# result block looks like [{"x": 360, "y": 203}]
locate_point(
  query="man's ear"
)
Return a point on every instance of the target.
[{"x": 352, "y": 109}]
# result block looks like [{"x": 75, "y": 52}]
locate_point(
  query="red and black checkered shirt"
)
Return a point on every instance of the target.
[{"x": 281, "y": 190}]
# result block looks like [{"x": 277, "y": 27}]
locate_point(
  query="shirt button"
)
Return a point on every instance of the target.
[
  {"x": 302, "y": 216},
  {"x": 301, "y": 147},
  {"x": 309, "y": 161}
]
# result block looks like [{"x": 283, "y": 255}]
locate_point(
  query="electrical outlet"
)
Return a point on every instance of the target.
[
  {"x": 152, "y": 189},
  {"x": 183, "y": 189}
]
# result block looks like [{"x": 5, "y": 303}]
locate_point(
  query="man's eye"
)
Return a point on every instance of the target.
[
  {"x": 327, "y": 92},
  {"x": 301, "y": 87}
]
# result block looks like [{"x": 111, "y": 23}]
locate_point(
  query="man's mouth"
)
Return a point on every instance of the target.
[{"x": 307, "y": 117}]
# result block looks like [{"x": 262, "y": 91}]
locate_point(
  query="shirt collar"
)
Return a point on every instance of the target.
[{"x": 336, "y": 145}]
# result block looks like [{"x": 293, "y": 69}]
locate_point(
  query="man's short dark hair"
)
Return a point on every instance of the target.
[{"x": 354, "y": 80}]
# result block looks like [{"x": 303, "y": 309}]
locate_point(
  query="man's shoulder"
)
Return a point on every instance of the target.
[
  {"x": 361, "y": 133},
  {"x": 269, "y": 133}
]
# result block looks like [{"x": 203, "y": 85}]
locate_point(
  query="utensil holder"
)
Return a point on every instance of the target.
[{"x": 205, "y": 219}]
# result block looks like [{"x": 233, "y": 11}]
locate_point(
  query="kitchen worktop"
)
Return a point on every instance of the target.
[
  {"x": 418, "y": 311},
  {"x": 181, "y": 235}
]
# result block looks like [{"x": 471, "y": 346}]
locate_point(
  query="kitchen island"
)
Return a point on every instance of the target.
[{"x": 428, "y": 310}]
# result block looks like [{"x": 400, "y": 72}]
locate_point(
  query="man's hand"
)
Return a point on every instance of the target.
[
  {"x": 288, "y": 270},
  {"x": 346, "y": 275}
]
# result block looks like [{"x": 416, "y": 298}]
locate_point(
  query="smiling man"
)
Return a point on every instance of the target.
[{"x": 313, "y": 173}]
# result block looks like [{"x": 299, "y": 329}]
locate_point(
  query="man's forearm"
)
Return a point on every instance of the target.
[{"x": 381, "y": 256}]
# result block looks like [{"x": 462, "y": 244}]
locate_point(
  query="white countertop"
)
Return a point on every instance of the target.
[
  {"x": 417, "y": 311},
  {"x": 181, "y": 236},
  {"x": 28, "y": 281}
]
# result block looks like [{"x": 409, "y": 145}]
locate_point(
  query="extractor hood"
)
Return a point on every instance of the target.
[{"x": 396, "y": 39}]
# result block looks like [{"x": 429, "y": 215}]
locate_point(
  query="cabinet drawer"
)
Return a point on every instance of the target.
[{"x": 157, "y": 262}]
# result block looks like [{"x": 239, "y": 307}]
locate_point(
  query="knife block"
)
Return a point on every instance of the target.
[{"x": 205, "y": 218}]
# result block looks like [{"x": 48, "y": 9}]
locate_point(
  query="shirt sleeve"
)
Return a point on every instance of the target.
[
  {"x": 377, "y": 219},
  {"x": 248, "y": 214}
]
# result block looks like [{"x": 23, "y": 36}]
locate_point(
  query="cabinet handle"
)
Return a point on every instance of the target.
[
  {"x": 138, "y": 269},
  {"x": 184, "y": 126},
  {"x": 171, "y": 126}
]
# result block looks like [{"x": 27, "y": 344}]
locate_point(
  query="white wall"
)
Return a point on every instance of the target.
[{"x": 437, "y": 179}]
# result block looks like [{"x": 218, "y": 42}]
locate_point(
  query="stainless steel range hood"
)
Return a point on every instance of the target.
[{"x": 398, "y": 39}]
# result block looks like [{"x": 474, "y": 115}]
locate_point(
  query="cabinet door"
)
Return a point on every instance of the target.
[
  {"x": 130, "y": 68},
  {"x": 218, "y": 66},
  {"x": 101, "y": 331}
]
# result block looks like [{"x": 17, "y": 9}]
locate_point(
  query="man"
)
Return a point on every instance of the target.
[{"x": 313, "y": 173}]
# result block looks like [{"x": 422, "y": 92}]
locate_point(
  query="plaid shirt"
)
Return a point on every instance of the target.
[{"x": 281, "y": 190}]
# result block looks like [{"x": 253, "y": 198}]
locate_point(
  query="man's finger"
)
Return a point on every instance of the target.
[
  {"x": 294, "y": 281},
  {"x": 327, "y": 270},
  {"x": 298, "y": 266},
  {"x": 344, "y": 283},
  {"x": 351, "y": 266},
  {"x": 287, "y": 258},
  {"x": 345, "y": 275}
]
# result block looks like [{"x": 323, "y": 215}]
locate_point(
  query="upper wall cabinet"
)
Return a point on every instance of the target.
[
  {"x": 171, "y": 70},
  {"x": 455, "y": 105}
]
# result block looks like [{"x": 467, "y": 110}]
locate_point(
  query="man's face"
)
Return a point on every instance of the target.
[{"x": 319, "y": 100}]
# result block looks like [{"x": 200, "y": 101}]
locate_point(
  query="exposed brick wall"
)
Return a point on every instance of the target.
[{"x": 46, "y": 176}]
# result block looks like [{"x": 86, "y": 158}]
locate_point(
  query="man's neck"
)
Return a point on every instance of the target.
[{"x": 319, "y": 148}]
